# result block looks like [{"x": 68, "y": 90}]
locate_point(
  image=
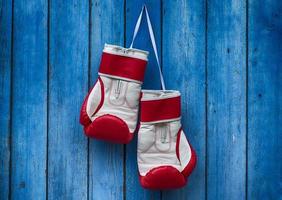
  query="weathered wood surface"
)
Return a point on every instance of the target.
[
  {"x": 67, "y": 169},
  {"x": 224, "y": 56},
  {"x": 265, "y": 100},
  {"x": 5, "y": 95},
  {"x": 226, "y": 99},
  {"x": 29, "y": 100}
]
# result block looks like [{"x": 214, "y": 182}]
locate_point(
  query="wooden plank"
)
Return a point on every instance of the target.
[
  {"x": 152, "y": 81},
  {"x": 265, "y": 100},
  {"x": 29, "y": 100},
  {"x": 226, "y": 83},
  {"x": 184, "y": 70},
  {"x": 68, "y": 82},
  {"x": 5, "y": 93},
  {"x": 106, "y": 170}
]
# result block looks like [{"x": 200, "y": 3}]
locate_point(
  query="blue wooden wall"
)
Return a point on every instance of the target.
[{"x": 224, "y": 56}]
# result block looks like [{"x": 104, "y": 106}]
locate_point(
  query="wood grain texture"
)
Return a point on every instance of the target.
[
  {"x": 184, "y": 70},
  {"x": 223, "y": 56},
  {"x": 68, "y": 75},
  {"x": 5, "y": 95},
  {"x": 106, "y": 169},
  {"x": 152, "y": 81},
  {"x": 29, "y": 99},
  {"x": 265, "y": 100},
  {"x": 226, "y": 82}
]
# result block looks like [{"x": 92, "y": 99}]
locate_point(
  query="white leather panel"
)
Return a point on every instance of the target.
[
  {"x": 118, "y": 91},
  {"x": 157, "y": 146},
  {"x": 149, "y": 95},
  {"x": 127, "y": 52},
  {"x": 184, "y": 151},
  {"x": 133, "y": 99},
  {"x": 121, "y": 99}
]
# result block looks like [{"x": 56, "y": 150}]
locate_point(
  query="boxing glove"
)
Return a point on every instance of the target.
[
  {"x": 165, "y": 157},
  {"x": 110, "y": 110}
]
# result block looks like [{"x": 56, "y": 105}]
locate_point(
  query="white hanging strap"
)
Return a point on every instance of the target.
[
  {"x": 137, "y": 26},
  {"x": 154, "y": 47},
  {"x": 152, "y": 37}
]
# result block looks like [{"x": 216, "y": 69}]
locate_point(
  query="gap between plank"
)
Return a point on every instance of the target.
[
  {"x": 247, "y": 97},
  {"x": 48, "y": 98},
  {"x": 11, "y": 103},
  {"x": 206, "y": 99}
]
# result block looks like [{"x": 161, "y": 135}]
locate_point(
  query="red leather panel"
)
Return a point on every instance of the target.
[
  {"x": 109, "y": 128},
  {"x": 122, "y": 66},
  {"x": 84, "y": 118},
  {"x": 161, "y": 178},
  {"x": 192, "y": 163},
  {"x": 161, "y": 109},
  {"x": 177, "y": 143}
]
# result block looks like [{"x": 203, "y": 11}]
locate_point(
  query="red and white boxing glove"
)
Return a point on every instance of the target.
[
  {"x": 165, "y": 157},
  {"x": 110, "y": 110}
]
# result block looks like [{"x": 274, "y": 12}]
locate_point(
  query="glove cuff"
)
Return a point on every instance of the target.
[
  {"x": 159, "y": 106},
  {"x": 122, "y": 63}
]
